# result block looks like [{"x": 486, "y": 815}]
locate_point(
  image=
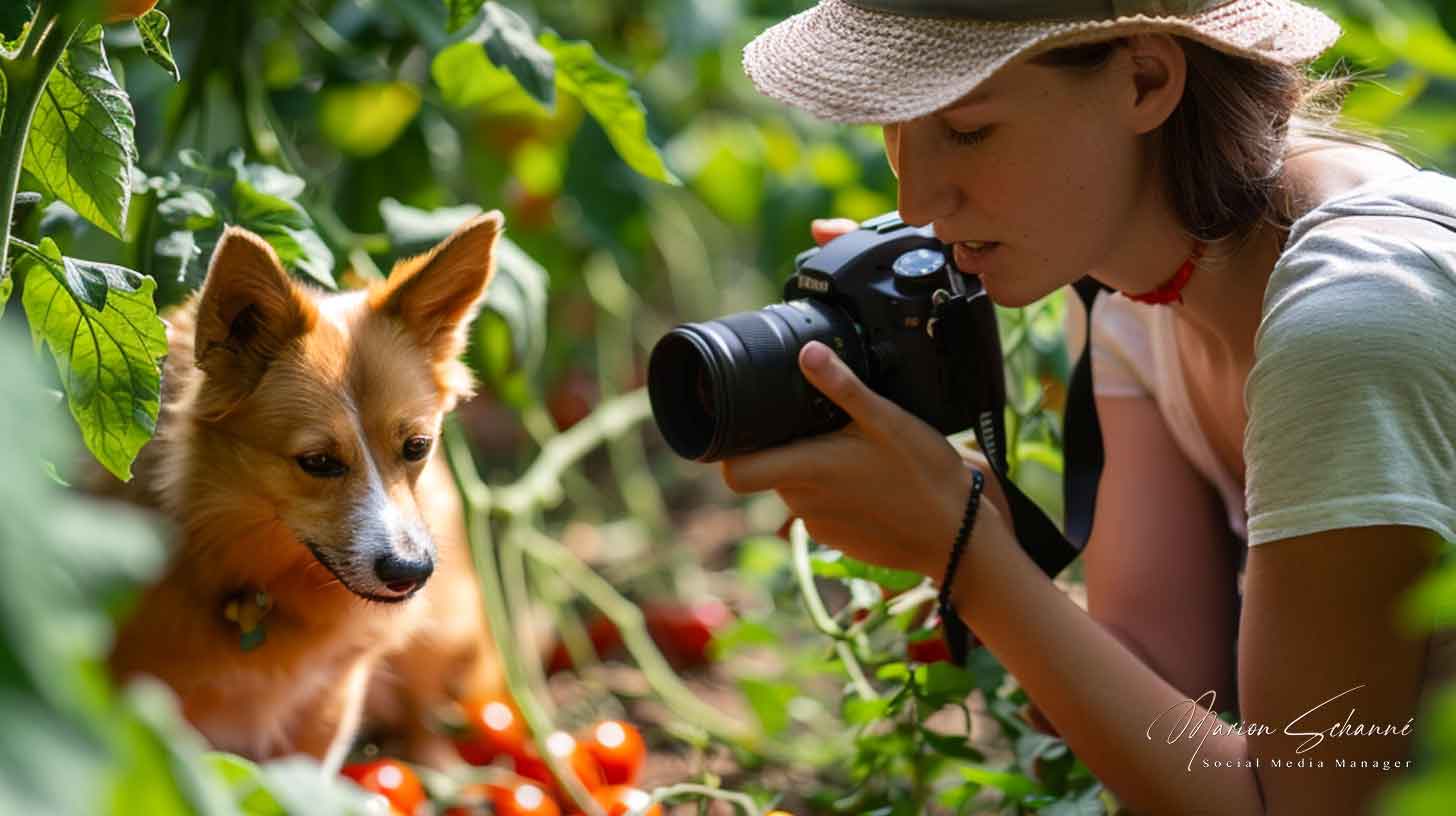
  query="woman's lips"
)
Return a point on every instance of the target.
[{"x": 972, "y": 257}]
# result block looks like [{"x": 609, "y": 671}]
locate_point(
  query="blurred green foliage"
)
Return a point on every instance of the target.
[{"x": 644, "y": 183}]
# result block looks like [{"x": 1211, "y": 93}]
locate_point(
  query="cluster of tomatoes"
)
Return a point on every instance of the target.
[{"x": 606, "y": 758}]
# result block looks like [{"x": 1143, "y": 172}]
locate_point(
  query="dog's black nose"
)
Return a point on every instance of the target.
[{"x": 401, "y": 574}]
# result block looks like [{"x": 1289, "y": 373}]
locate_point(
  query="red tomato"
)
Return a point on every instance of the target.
[
  {"x": 618, "y": 748},
  {"x": 605, "y": 639},
  {"x": 391, "y": 779},
  {"x": 578, "y": 758},
  {"x": 619, "y": 800},
  {"x": 572, "y": 398},
  {"x": 683, "y": 632},
  {"x": 496, "y": 729},
  {"x": 523, "y": 799},
  {"x": 119, "y": 11},
  {"x": 928, "y": 650}
]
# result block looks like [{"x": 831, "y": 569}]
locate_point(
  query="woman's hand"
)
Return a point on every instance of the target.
[{"x": 887, "y": 488}]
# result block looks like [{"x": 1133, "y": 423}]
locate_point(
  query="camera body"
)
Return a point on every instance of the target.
[
  {"x": 897, "y": 284},
  {"x": 887, "y": 298}
]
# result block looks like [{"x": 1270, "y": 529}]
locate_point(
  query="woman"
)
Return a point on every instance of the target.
[{"x": 1172, "y": 157}]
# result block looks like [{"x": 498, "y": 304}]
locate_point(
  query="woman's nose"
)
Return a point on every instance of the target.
[{"x": 926, "y": 192}]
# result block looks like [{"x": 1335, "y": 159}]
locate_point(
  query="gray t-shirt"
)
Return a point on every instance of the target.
[{"x": 1352, "y": 397}]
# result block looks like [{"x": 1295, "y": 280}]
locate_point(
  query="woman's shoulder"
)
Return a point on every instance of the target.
[{"x": 1377, "y": 261}]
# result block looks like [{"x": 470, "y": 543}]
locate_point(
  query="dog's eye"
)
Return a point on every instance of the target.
[
  {"x": 416, "y": 448},
  {"x": 322, "y": 465}
]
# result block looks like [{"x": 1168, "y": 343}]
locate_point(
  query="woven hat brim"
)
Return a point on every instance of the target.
[{"x": 846, "y": 64}]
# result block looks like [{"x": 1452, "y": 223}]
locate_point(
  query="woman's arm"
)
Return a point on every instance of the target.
[
  {"x": 889, "y": 488},
  {"x": 1161, "y": 565},
  {"x": 1318, "y": 621}
]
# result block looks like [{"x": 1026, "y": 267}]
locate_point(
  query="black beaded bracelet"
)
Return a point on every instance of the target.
[{"x": 957, "y": 635}]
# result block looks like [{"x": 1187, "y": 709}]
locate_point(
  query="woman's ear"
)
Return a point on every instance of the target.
[{"x": 1155, "y": 71}]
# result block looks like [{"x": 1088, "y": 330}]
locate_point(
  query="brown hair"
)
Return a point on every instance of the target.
[{"x": 1223, "y": 148}]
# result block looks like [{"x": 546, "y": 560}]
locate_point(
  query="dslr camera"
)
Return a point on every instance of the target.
[{"x": 887, "y": 298}]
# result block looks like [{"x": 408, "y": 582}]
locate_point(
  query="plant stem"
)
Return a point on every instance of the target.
[
  {"x": 844, "y": 642},
  {"x": 742, "y": 800},
  {"x": 629, "y": 621},
  {"x": 518, "y": 599},
  {"x": 483, "y": 553},
  {"x": 540, "y": 486},
  {"x": 25, "y": 80}
]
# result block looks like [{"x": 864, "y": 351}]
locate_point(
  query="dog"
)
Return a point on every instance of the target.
[{"x": 320, "y": 560}]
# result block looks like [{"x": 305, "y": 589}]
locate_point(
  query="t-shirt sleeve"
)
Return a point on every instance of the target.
[
  {"x": 1121, "y": 349},
  {"x": 1352, "y": 397}
]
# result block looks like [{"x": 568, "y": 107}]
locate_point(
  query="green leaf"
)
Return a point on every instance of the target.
[
  {"x": 89, "y": 281},
  {"x": 153, "y": 26},
  {"x": 263, "y": 201},
  {"x": 509, "y": 43},
  {"x": 14, "y": 15},
  {"x": 81, "y": 145},
  {"x": 608, "y": 96},
  {"x": 172, "y": 258},
  {"x": 1015, "y": 786},
  {"x": 951, "y": 745},
  {"x": 412, "y": 230},
  {"x": 189, "y": 210},
  {"x": 466, "y": 78},
  {"x": 109, "y": 358},
  {"x": 741, "y": 634},
  {"x": 859, "y": 711},
  {"x": 517, "y": 293},
  {"x": 363, "y": 120},
  {"x": 944, "y": 680},
  {"x": 835, "y": 564},
  {"x": 245, "y": 779},
  {"x": 7, "y": 284},
  {"x": 461, "y": 13},
  {"x": 1431, "y": 603},
  {"x": 297, "y": 784},
  {"x": 762, "y": 557},
  {"x": 769, "y": 701}
]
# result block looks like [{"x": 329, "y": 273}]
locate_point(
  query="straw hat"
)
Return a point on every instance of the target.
[{"x": 877, "y": 61}]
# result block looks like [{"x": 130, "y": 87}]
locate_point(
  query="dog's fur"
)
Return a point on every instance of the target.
[{"x": 261, "y": 372}]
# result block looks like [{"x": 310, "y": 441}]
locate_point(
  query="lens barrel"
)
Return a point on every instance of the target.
[{"x": 732, "y": 385}]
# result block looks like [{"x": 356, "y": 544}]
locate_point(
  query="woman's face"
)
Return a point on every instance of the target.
[{"x": 1047, "y": 163}]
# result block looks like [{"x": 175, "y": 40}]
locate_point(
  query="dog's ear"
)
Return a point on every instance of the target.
[
  {"x": 248, "y": 314},
  {"x": 437, "y": 294}
]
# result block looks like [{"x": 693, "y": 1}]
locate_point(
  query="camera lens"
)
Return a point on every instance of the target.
[{"x": 732, "y": 385}]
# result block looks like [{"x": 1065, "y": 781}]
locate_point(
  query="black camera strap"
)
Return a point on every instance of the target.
[{"x": 959, "y": 335}]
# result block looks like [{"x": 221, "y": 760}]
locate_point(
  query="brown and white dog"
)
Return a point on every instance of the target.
[{"x": 320, "y": 553}]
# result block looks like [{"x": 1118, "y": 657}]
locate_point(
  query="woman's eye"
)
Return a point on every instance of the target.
[
  {"x": 969, "y": 137},
  {"x": 322, "y": 465},
  {"x": 416, "y": 448}
]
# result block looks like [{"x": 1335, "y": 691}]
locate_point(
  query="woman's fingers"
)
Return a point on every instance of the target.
[
  {"x": 798, "y": 463},
  {"x": 835, "y": 380},
  {"x": 827, "y": 229}
]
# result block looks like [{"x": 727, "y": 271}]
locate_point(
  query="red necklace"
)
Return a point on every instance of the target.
[{"x": 1172, "y": 289}]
